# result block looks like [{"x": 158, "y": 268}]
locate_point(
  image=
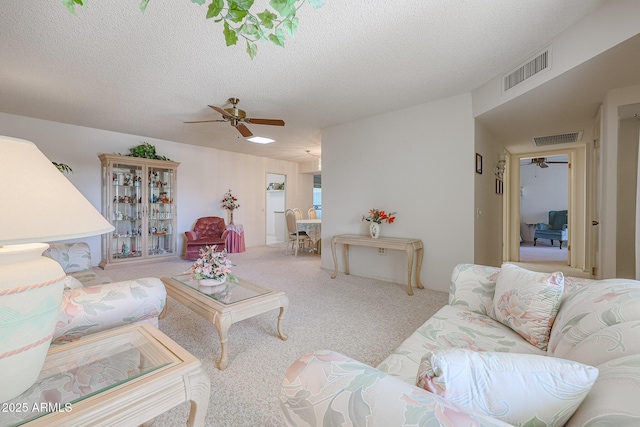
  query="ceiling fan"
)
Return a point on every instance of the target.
[
  {"x": 542, "y": 162},
  {"x": 238, "y": 118}
]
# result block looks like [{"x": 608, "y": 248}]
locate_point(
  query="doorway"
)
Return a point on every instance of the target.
[
  {"x": 275, "y": 228},
  {"x": 317, "y": 194},
  {"x": 544, "y": 187}
]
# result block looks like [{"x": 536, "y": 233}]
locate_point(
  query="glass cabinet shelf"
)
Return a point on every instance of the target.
[{"x": 139, "y": 199}]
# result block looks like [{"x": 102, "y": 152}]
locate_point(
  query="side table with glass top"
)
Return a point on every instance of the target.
[
  {"x": 238, "y": 301},
  {"x": 125, "y": 376}
]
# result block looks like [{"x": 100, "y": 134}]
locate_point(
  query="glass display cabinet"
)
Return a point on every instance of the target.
[{"x": 139, "y": 198}]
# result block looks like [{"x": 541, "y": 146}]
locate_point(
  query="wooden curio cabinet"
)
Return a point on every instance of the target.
[{"x": 139, "y": 198}]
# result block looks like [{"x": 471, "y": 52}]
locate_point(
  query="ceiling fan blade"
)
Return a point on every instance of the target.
[
  {"x": 206, "y": 121},
  {"x": 220, "y": 110},
  {"x": 271, "y": 122},
  {"x": 543, "y": 165},
  {"x": 244, "y": 131}
]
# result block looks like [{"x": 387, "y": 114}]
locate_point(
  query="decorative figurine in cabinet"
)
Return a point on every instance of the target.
[{"x": 139, "y": 198}]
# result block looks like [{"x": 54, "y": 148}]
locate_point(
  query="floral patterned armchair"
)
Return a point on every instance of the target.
[{"x": 90, "y": 305}]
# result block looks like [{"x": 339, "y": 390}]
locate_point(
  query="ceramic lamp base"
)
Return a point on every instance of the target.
[{"x": 31, "y": 289}]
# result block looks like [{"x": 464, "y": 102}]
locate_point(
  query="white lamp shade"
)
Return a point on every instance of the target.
[{"x": 39, "y": 204}]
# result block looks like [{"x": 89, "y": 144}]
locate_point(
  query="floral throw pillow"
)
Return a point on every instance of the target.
[
  {"x": 519, "y": 389},
  {"x": 527, "y": 302}
]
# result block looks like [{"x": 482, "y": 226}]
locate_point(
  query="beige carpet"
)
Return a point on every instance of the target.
[
  {"x": 546, "y": 258},
  {"x": 362, "y": 318}
]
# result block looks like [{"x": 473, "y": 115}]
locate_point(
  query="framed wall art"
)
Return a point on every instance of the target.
[{"x": 478, "y": 163}]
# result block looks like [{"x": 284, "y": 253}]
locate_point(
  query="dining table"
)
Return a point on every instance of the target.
[{"x": 313, "y": 228}]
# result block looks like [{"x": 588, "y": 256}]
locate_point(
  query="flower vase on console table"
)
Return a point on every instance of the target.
[
  {"x": 374, "y": 230},
  {"x": 231, "y": 217},
  {"x": 375, "y": 218}
]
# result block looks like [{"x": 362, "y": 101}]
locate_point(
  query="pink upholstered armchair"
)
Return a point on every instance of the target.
[{"x": 208, "y": 231}]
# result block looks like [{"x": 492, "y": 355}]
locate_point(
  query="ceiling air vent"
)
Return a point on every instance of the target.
[
  {"x": 563, "y": 138},
  {"x": 532, "y": 67}
]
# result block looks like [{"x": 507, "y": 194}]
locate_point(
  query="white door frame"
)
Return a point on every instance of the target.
[{"x": 511, "y": 223}]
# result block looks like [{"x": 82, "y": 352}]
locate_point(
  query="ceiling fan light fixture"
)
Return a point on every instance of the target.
[{"x": 261, "y": 140}]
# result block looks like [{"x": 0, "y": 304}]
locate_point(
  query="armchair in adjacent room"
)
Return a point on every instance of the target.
[
  {"x": 556, "y": 229},
  {"x": 208, "y": 231}
]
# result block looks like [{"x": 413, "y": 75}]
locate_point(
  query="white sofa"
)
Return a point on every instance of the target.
[
  {"x": 597, "y": 324},
  {"x": 91, "y": 303}
]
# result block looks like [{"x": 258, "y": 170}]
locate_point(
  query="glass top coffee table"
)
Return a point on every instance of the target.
[
  {"x": 124, "y": 376},
  {"x": 238, "y": 301}
]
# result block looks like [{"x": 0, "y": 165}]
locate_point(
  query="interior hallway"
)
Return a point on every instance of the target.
[{"x": 546, "y": 258}]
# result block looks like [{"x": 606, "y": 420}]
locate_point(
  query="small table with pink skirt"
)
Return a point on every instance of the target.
[{"x": 235, "y": 238}]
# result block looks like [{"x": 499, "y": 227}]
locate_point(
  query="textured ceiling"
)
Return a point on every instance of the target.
[{"x": 111, "y": 67}]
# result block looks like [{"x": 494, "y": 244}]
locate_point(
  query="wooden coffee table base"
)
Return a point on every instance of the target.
[
  {"x": 223, "y": 315},
  {"x": 224, "y": 321}
]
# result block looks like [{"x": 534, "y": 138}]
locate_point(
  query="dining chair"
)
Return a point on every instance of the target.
[
  {"x": 312, "y": 213},
  {"x": 298, "y": 213},
  {"x": 297, "y": 239}
]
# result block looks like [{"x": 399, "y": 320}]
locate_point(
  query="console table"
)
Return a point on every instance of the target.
[{"x": 410, "y": 246}]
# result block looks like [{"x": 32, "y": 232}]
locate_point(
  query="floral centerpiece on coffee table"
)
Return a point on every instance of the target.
[
  {"x": 213, "y": 268},
  {"x": 230, "y": 203},
  {"x": 377, "y": 217}
]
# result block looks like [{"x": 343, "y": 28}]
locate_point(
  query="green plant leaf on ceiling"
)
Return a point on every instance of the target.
[
  {"x": 244, "y": 4},
  {"x": 290, "y": 25},
  {"x": 267, "y": 18},
  {"x": 214, "y": 8},
  {"x": 230, "y": 35},
  {"x": 284, "y": 8},
  {"x": 71, "y": 5},
  {"x": 249, "y": 29},
  {"x": 235, "y": 12},
  {"x": 277, "y": 38},
  {"x": 239, "y": 21},
  {"x": 252, "y": 49}
]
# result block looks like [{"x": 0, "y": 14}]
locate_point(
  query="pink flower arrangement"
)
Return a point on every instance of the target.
[
  {"x": 213, "y": 265},
  {"x": 229, "y": 201},
  {"x": 378, "y": 216}
]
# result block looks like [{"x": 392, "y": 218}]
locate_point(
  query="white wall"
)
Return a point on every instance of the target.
[
  {"x": 488, "y": 204},
  {"x": 627, "y": 189},
  {"x": 543, "y": 190},
  {"x": 204, "y": 175},
  {"x": 417, "y": 161},
  {"x": 609, "y": 173}
]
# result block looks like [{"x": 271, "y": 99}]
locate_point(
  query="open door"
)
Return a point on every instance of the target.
[
  {"x": 593, "y": 213},
  {"x": 576, "y": 206},
  {"x": 275, "y": 207}
]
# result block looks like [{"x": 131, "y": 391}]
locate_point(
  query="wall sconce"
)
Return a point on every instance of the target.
[{"x": 500, "y": 166}]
